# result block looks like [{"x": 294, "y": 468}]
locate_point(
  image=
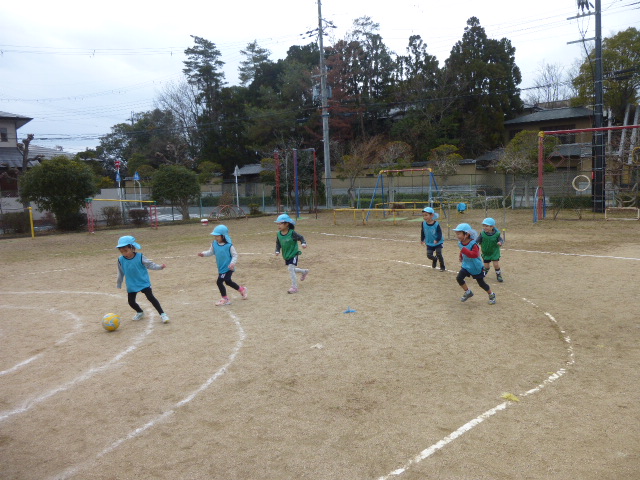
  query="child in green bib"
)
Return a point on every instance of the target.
[{"x": 287, "y": 244}]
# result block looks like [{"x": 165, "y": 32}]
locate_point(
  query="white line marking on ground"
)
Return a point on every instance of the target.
[
  {"x": 427, "y": 452},
  {"x": 65, "y": 338},
  {"x": 573, "y": 254},
  {"x": 164, "y": 415},
  {"x": 28, "y": 404}
]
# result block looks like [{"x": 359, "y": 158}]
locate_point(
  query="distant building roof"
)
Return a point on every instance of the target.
[
  {"x": 552, "y": 115},
  {"x": 19, "y": 119},
  {"x": 46, "y": 153},
  {"x": 11, "y": 157},
  {"x": 491, "y": 156},
  {"x": 581, "y": 150},
  {"x": 253, "y": 169}
]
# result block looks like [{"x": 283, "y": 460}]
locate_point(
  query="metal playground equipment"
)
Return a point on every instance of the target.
[{"x": 91, "y": 218}]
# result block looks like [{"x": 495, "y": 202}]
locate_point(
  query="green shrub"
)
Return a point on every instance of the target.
[
  {"x": 210, "y": 201},
  {"x": 15, "y": 222},
  {"x": 139, "y": 216},
  {"x": 113, "y": 215},
  {"x": 71, "y": 221},
  {"x": 254, "y": 209}
]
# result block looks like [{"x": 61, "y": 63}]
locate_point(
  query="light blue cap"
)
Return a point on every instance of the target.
[
  {"x": 463, "y": 227},
  {"x": 462, "y": 207},
  {"x": 224, "y": 231},
  {"x": 489, "y": 221},
  {"x": 128, "y": 240},
  {"x": 428, "y": 210},
  {"x": 285, "y": 218}
]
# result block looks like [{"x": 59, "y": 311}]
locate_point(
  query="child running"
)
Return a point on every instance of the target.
[
  {"x": 134, "y": 268},
  {"x": 226, "y": 258},
  {"x": 490, "y": 242},
  {"x": 431, "y": 236},
  {"x": 287, "y": 241},
  {"x": 471, "y": 262}
]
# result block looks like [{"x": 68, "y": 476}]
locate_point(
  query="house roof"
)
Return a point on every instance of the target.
[
  {"x": 552, "y": 115},
  {"x": 19, "y": 119},
  {"x": 252, "y": 169},
  {"x": 11, "y": 157},
  {"x": 581, "y": 150}
]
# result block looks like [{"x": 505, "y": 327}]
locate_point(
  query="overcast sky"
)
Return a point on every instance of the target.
[{"x": 79, "y": 67}]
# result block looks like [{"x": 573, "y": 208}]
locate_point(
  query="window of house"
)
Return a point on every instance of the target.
[
  {"x": 567, "y": 137},
  {"x": 3, "y": 135}
]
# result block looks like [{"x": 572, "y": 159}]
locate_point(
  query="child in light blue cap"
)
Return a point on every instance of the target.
[
  {"x": 134, "y": 268},
  {"x": 226, "y": 258},
  {"x": 287, "y": 242},
  {"x": 431, "y": 236}
]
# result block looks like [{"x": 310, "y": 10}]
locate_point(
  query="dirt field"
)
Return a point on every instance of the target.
[{"x": 283, "y": 386}]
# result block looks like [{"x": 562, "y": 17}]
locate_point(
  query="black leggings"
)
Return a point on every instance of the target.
[
  {"x": 226, "y": 278},
  {"x": 434, "y": 258},
  {"x": 463, "y": 273},
  {"x": 149, "y": 294}
]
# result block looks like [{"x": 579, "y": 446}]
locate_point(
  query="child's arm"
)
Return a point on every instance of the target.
[
  {"x": 120, "y": 275},
  {"x": 422, "y": 234},
  {"x": 207, "y": 253},
  {"x": 277, "y": 246},
  {"x": 299, "y": 238},
  {"x": 151, "y": 265},
  {"x": 473, "y": 253},
  {"x": 234, "y": 257}
]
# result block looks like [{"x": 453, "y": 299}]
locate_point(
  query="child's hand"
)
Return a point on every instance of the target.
[
  {"x": 422, "y": 243},
  {"x": 304, "y": 245},
  {"x": 460, "y": 257},
  {"x": 499, "y": 244},
  {"x": 232, "y": 267},
  {"x": 164, "y": 265},
  {"x": 277, "y": 253},
  {"x": 201, "y": 254}
]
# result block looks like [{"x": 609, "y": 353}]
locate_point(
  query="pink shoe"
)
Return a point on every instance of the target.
[
  {"x": 304, "y": 275},
  {"x": 243, "y": 292},
  {"x": 223, "y": 301},
  {"x": 292, "y": 290}
]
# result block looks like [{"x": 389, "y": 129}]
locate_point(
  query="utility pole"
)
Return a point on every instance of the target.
[
  {"x": 598, "y": 148},
  {"x": 599, "y": 170},
  {"x": 325, "y": 111}
]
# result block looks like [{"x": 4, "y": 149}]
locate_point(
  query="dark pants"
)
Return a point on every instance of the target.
[
  {"x": 437, "y": 257},
  {"x": 463, "y": 273},
  {"x": 149, "y": 294},
  {"x": 226, "y": 278}
]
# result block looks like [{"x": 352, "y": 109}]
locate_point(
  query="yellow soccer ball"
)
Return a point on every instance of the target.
[{"x": 111, "y": 322}]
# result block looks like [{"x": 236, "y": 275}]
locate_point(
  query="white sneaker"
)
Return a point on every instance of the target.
[
  {"x": 164, "y": 317},
  {"x": 138, "y": 316}
]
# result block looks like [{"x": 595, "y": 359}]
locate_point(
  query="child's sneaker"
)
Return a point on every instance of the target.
[
  {"x": 434, "y": 263},
  {"x": 138, "y": 316},
  {"x": 466, "y": 295},
  {"x": 442, "y": 269},
  {"x": 164, "y": 317},
  {"x": 243, "y": 292},
  {"x": 223, "y": 301},
  {"x": 492, "y": 299},
  {"x": 499, "y": 277},
  {"x": 304, "y": 275},
  {"x": 292, "y": 290}
]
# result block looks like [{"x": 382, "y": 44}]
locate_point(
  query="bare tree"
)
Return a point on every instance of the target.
[{"x": 552, "y": 84}]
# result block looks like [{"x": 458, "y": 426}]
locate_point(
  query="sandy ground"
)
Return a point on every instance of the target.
[{"x": 283, "y": 386}]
